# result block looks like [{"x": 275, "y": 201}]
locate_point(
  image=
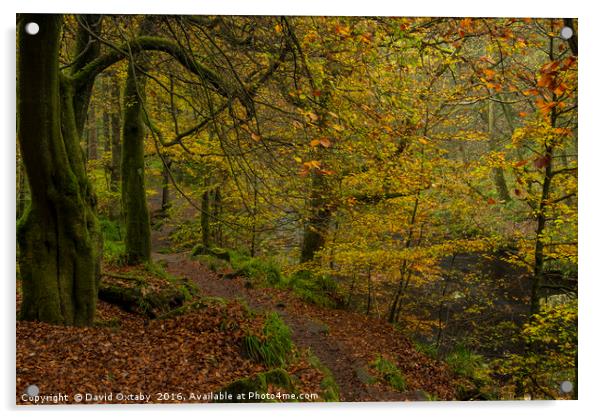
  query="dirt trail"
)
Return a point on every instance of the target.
[{"x": 307, "y": 331}]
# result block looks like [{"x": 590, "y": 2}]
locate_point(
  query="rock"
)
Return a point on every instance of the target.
[
  {"x": 217, "y": 252},
  {"x": 258, "y": 385}
]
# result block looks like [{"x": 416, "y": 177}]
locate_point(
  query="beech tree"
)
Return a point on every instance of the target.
[{"x": 58, "y": 236}]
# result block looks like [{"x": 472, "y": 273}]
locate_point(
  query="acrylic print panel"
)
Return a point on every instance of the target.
[{"x": 315, "y": 209}]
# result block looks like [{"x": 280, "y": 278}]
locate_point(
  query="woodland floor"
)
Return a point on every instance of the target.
[
  {"x": 345, "y": 342},
  {"x": 130, "y": 354}
]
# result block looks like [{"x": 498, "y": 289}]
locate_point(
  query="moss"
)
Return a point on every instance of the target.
[
  {"x": 137, "y": 298},
  {"x": 58, "y": 236},
  {"x": 274, "y": 347},
  {"x": 260, "y": 384},
  {"x": 133, "y": 189},
  {"x": 261, "y": 271},
  {"x": 320, "y": 290},
  {"x": 217, "y": 252},
  {"x": 199, "y": 304},
  {"x": 330, "y": 389},
  {"x": 213, "y": 263}
]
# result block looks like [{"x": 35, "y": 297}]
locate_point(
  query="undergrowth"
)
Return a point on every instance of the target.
[
  {"x": 317, "y": 289},
  {"x": 113, "y": 245},
  {"x": 274, "y": 347},
  {"x": 389, "y": 373}
]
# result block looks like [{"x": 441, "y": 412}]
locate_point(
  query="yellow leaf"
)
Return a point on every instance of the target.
[{"x": 312, "y": 116}]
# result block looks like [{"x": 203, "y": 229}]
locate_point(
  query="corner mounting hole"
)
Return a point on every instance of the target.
[
  {"x": 32, "y": 28},
  {"x": 566, "y": 33}
]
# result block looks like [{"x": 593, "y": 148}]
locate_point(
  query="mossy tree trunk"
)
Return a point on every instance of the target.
[
  {"x": 205, "y": 214},
  {"x": 58, "y": 236},
  {"x": 87, "y": 48},
  {"x": 115, "y": 118},
  {"x": 133, "y": 189},
  {"x": 165, "y": 198},
  {"x": 92, "y": 137},
  {"x": 21, "y": 187},
  {"x": 316, "y": 228}
]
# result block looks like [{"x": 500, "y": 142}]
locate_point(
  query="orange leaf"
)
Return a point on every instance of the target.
[
  {"x": 489, "y": 73},
  {"x": 325, "y": 142},
  {"x": 466, "y": 23},
  {"x": 546, "y": 80},
  {"x": 545, "y": 107},
  {"x": 531, "y": 92}
]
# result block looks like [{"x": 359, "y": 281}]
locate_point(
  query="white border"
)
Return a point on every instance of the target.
[{"x": 589, "y": 215}]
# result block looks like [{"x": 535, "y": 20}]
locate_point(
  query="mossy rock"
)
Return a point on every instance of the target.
[
  {"x": 217, "y": 252},
  {"x": 246, "y": 390},
  {"x": 135, "y": 300},
  {"x": 200, "y": 304},
  {"x": 330, "y": 388}
]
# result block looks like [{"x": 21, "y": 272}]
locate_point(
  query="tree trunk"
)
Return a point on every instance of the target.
[
  {"x": 87, "y": 48},
  {"x": 58, "y": 236},
  {"x": 133, "y": 189},
  {"x": 21, "y": 188},
  {"x": 205, "y": 214},
  {"x": 216, "y": 214},
  {"x": 316, "y": 228},
  {"x": 92, "y": 134},
  {"x": 115, "y": 210},
  {"x": 498, "y": 173},
  {"x": 165, "y": 201},
  {"x": 106, "y": 131}
]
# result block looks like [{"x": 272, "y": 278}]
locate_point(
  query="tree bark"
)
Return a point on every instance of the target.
[
  {"x": 87, "y": 48},
  {"x": 133, "y": 189},
  {"x": 106, "y": 131},
  {"x": 205, "y": 214},
  {"x": 316, "y": 229},
  {"x": 92, "y": 134},
  {"x": 165, "y": 200},
  {"x": 21, "y": 188},
  {"x": 498, "y": 173},
  {"x": 58, "y": 236},
  {"x": 115, "y": 168},
  {"x": 115, "y": 135}
]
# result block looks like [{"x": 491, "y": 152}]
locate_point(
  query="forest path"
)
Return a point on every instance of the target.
[{"x": 308, "y": 330}]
